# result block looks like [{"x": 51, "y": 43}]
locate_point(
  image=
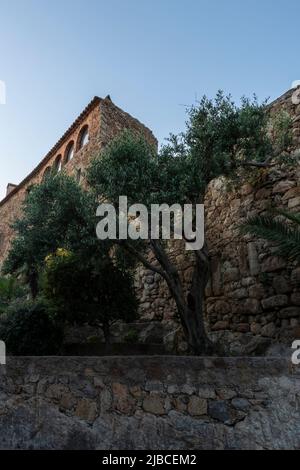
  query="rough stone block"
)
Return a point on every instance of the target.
[
  {"x": 197, "y": 406},
  {"x": 86, "y": 410},
  {"x": 289, "y": 312},
  {"x": 273, "y": 263},
  {"x": 268, "y": 330},
  {"x": 276, "y": 301},
  {"x": 154, "y": 403}
]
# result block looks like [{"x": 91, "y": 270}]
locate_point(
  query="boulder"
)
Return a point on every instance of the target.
[
  {"x": 273, "y": 263},
  {"x": 197, "y": 406},
  {"x": 275, "y": 302},
  {"x": 269, "y": 330},
  {"x": 289, "y": 312}
]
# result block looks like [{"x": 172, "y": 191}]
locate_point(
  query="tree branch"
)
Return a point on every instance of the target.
[
  {"x": 162, "y": 257},
  {"x": 171, "y": 273},
  {"x": 141, "y": 258},
  {"x": 266, "y": 164}
]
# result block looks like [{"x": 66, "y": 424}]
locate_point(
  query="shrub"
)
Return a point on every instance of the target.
[
  {"x": 86, "y": 291},
  {"x": 29, "y": 329},
  {"x": 132, "y": 337},
  {"x": 56, "y": 213},
  {"x": 10, "y": 290}
]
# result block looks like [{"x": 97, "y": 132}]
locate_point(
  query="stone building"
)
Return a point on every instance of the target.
[
  {"x": 251, "y": 291},
  {"x": 95, "y": 127}
]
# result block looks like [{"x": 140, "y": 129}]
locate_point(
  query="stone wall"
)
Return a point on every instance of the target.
[
  {"x": 149, "y": 403},
  {"x": 251, "y": 291}
]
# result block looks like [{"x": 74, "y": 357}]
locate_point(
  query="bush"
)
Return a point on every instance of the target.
[
  {"x": 56, "y": 213},
  {"x": 132, "y": 337},
  {"x": 10, "y": 290},
  {"x": 83, "y": 291},
  {"x": 30, "y": 330}
]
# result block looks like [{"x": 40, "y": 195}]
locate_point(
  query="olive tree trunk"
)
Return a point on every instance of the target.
[{"x": 190, "y": 306}]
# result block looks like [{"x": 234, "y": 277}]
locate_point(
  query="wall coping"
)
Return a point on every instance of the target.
[{"x": 268, "y": 363}]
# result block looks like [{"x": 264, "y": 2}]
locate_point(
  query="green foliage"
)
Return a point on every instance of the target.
[
  {"x": 132, "y": 337},
  {"x": 281, "y": 129},
  {"x": 127, "y": 166},
  {"x": 57, "y": 213},
  {"x": 220, "y": 139},
  {"x": 57, "y": 249},
  {"x": 29, "y": 329},
  {"x": 84, "y": 291},
  {"x": 130, "y": 166},
  {"x": 10, "y": 290},
  {"x": 280, "y": 227}
]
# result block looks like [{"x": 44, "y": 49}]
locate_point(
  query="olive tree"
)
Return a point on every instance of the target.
[{"x": 221, "y": 139}]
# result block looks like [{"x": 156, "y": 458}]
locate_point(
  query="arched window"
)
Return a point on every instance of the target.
[
  {"x": 69, "y": 152},
  {"x": 58, "y": 164},
  {"x": 83, "y": 138},
  {"x": 47, "y": 172}
]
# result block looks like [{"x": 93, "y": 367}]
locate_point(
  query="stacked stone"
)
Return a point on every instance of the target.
[
  {"x": 156, "y": 302},
  {"x": 251, "y": 289},
  {"x": 149, "y": 403}
]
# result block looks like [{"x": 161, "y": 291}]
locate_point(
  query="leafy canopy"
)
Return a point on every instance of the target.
[
  {"x": 56, "y": 239},
  {"x": 221, "y": 139},
  {"x": 57, "y": 213},
  {"x": 10, "y": 290},
  {"x": 29, "y": 329},
  {"x": 86, "y": 291}
]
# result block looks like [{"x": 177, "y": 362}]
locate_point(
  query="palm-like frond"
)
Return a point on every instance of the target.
[
  {"x": 293, "y": 217},
  {"x": 280, "y": 227}
]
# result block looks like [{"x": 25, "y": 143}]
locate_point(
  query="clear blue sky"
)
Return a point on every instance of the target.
[{"x": 151, "y": 56}]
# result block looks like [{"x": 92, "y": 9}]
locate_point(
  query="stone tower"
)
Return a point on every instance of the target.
[{"x": 94, "y": 128}]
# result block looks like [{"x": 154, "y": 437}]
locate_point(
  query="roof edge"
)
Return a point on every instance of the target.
[
  {"x": 283, "y": 96},
  {"x": 93, "y": 103}
]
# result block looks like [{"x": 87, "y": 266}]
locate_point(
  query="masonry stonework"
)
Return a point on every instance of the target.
[
  {"x": 251, "y": 291},
  {"x": 149, "y": 403}
]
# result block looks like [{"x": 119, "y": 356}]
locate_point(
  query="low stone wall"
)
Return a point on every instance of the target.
[{"x": 149, "y": 403}]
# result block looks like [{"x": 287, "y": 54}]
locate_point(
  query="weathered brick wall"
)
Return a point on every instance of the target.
[
  {"x": 149, "y": 403},
  {"x": 104, "y": 120},
  {"x": 114, "y": 120},
  {"x": 250, "y": 291}
]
